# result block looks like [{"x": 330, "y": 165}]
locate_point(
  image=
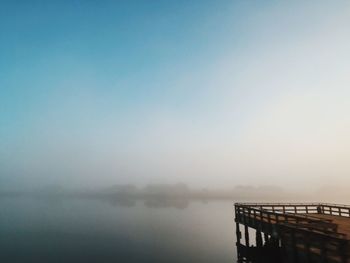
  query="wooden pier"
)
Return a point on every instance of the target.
[{"x": 293, "y": 232}]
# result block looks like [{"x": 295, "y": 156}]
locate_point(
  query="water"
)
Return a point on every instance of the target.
[{"x": 89, "y": 230}]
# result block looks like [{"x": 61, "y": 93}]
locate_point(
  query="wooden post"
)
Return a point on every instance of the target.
[
  {"x": 266, "y": 238},
  {"x": 249, "y": 217},
  {"x": 246, "y": 235},
  {"x": 238, "y": 243},
  {"x": 238, "y": 233},
  {"x": 258, "y": 239},
  {"x": 254, "y": 216}
]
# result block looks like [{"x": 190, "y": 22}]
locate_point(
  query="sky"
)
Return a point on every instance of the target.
[{"x": 209, "y": 93}]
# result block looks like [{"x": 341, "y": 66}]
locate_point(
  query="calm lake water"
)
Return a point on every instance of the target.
[{"x": 88, "y": 230}]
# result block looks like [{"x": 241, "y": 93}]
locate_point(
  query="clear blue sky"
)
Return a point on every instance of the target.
[{"x": 208, "y": 92}]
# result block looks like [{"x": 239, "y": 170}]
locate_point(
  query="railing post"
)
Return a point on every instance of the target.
[
  {"x": 249, "y": 217},
  {"x": 254, "y": 216}
]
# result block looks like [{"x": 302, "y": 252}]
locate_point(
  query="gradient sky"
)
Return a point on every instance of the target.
[{"x": 210, "y": 93}]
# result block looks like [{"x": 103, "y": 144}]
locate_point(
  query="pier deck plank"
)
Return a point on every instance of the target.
[{"x": 342, "y": 222}]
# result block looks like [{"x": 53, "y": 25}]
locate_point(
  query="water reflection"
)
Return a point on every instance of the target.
[
  {"x": 124, "y": 202},
  {"x": 115, "y": 230},
  {"x": 150, "y": 202},
  {"x": 180, "y": 203}
]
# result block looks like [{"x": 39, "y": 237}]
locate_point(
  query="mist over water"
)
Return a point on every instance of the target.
[
  {"x": 86, "y": 230},
  {"x": 129, "y": 128},
  {"x": 122, "y": 226}
]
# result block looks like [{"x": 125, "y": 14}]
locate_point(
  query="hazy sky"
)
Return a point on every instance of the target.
[{"x": 212, "y": 93}]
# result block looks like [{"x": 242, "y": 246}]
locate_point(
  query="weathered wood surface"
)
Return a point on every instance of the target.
[
  {"x": 313, "y": 232},
  {"x": 343, "y": 223}
]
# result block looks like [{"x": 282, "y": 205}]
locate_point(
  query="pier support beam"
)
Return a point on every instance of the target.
[
  {"x": 238, "y": 233},
  {"x": 246, "y": 235},
  {"x": 238, "y": 243},
  {"x": 266, "y": 238},
  {"x": 258, "y": 239}
]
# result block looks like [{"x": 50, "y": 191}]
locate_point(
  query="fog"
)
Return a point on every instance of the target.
[
  {"x": 128, "y": 129},
  {"x": 239, "y": 95}
]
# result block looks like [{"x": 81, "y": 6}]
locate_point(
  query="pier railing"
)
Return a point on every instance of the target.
[
  {"x": 266, "y": 217},
  {"x": 302, "y": 208},
  {"x": 300, "y": 227}
]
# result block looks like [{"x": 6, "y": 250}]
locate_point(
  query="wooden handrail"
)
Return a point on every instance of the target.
[
  {"x": 302, "y": 208},
  {"x": 264, "y": 215}
]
